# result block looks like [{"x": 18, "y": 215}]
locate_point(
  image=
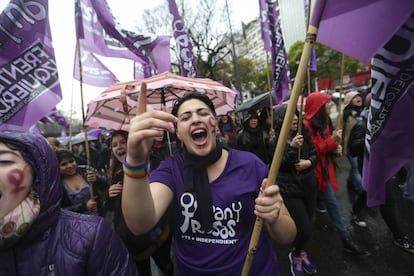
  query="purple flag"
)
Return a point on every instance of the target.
[
  {"x": 93, "y": 37},
  {"x": 94, "y": 72},
  {"x": 28, "y": 73},
  {"x": 105, "y": 37},
  {"x": 59, "y": 118},
  {"x": 359, "y": 28},
  {"x": 183, "y": 41},
  {"x": 278, "y": 53},
  {"x": 160, "y": 55},
  {"x": 264, "y": 25},
  {"x": 141, "y": 45},
  {"x": 390, "y": 132},
  {"x": 238, "y": 96}
]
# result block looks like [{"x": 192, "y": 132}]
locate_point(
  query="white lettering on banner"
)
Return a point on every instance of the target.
[
  {"x": 392, "y": 74},
  {"x": 28, "y": 11},
  {"x": 183, "y": 44},
  {"x": 24, "y": 78},
  {"x": 225, "y": 220}
]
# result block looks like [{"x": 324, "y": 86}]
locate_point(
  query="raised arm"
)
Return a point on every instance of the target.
[{"x": 144, "y": 204}]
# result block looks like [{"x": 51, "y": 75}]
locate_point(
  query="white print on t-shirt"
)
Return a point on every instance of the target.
[{"x": 225, "y": 220}]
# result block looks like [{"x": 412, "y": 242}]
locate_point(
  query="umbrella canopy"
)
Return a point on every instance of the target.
[
  {"x": 256, "y": 103},
  {"x": 80, "y": 138},
  {"x": 114, "y": 107}
]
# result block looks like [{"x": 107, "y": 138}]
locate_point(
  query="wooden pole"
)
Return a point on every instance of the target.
[
  {"x": 300, "y": 118},
  {"x": 281, "y": 143},
  {"x": 87, "y": 151},
  {"x": 339, "y": 123}
]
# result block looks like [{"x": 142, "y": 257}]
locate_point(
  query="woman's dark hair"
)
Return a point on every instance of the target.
[
  {"x": 64, "y": 154},
  {"x": 115, "y": 167},
  {"x": 193, "y": 95},
  {"x": 320, "y": 121}
]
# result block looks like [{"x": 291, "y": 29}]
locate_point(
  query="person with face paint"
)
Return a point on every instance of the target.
[
  {"x": 37, "y": 237},
  {"x": 216, "y": 192}
]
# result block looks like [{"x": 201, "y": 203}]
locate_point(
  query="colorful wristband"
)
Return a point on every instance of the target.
[{"x": 135, "y": 172}]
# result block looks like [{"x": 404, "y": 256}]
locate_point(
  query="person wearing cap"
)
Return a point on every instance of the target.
[{"x": 327, "y": 143}]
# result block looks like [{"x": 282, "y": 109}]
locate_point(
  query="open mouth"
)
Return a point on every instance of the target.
[
  {"x": 199, "y": 135},
  {"x": 120, "y": 152}
]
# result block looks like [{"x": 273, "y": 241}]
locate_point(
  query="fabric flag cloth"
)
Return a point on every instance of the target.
[
  {"x": 141, "y": 45},
  {"x": 273, "y": 36},
  {"x": 183, "y": 42},
  {"x": 358, "y": 28},
  {"x": 29, "y": 79},
  {"x": 106, "y": 38},
  {"x": 94, "y": 72},
  {"x": 238, "y": 96},
  {"x": 390, "y": 134}
]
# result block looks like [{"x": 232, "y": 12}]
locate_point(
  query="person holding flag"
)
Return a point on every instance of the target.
[{"x": 216, "y": 192}]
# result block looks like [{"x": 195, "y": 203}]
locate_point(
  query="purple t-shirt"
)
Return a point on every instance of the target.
[{"x": 223, "y": 250}]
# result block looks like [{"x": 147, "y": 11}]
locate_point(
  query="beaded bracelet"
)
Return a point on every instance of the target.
[{"x": 136, "y": 172}]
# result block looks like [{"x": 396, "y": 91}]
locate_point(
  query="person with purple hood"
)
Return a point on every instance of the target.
[{"x": 37, "y": 237}]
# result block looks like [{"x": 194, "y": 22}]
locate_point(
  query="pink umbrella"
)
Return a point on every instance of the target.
[{"x": 115, "y": 106}]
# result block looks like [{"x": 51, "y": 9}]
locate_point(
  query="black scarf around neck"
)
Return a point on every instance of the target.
[{"x": 196, "y": 182}]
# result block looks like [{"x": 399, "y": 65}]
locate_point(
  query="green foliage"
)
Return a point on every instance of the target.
[{"x": 328, "y": 62}]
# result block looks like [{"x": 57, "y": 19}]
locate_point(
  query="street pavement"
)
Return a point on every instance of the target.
[{"x": 326, "y": 251}]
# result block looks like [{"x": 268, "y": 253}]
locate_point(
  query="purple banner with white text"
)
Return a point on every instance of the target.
[
  {"x": 280, "y": 68},
  {"x": 390, "y": 133},
  {"x": 184, "y": 44},
  {"x": 94, "y": 72},
  {"x": 29, "y": 82}
]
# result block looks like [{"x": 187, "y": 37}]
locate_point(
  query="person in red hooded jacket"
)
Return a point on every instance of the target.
[{"x": 327, "y": 143}]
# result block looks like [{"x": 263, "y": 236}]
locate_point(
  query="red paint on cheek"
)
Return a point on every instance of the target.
[
  {"x": 16, "y": 177},
  {"x": 213, "y": 123}
]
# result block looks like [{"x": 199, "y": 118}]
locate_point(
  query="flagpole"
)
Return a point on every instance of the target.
[
  {"x": 281, "y": 143},
  {"x": 300, "y": 118},
  {"x": 88, "y": 156},
  {"x": 338, "y": 124}
]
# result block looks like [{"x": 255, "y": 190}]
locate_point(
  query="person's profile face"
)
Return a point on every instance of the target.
[
  {"x": 16, "y": 177},
  {"x": 196, "y": 127}
]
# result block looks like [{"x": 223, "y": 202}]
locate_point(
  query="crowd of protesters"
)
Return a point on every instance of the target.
[{"x": 93, "y": 183}]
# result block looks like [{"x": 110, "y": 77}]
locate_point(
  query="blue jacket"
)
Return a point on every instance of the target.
[{"x": 60, "y": 242}]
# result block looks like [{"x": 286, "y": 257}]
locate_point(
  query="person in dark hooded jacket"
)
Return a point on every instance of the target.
[
  {"x": 254, "y": 138},
  {"x": 298, "y": 186},
  {"x": 37, "y": 237}
]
